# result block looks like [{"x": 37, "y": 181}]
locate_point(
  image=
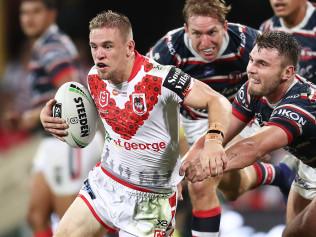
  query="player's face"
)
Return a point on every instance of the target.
[
  {"x": 35, "y": 18},
  {"x": 206, "y": 34},
  {"x": 110, "y": 52},
  {"x": 286, "y": 8},
  {"x": 264, "y": 72}
]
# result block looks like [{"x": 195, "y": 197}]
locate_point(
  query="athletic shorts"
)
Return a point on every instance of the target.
[
  {"x": 128, "y": 209},
  {"x": 65, "y": 168},
  {"x": 194, "y": 129},
  {"x": 305, "y": 181}
]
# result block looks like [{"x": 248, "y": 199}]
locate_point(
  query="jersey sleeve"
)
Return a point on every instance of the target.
[
  {"x": 293, "y": 119},
  {"x": 178, "y": 84},
  {"x": 242, "y": 105},
  {"x": 161, "y": 53},
  {"x": 57, "y": 61}
]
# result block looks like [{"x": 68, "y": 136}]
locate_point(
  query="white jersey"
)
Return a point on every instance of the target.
[{"x": 141, "y": 118}]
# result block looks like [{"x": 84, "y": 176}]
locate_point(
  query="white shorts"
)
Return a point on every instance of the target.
[
  {"x": 194, "y": 129},
  {"x": 305, "y": 181},
  {"x": 66, "y": 168},
  {"x": 130, "y": 210}
]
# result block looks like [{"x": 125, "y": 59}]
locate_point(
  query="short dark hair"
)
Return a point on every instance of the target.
[
  {"x": 49, "y": 4},
  {"x": 283, "y": 42},
  {"x": 212, "y": 8}
]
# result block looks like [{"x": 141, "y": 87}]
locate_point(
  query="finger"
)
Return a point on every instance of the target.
[
  {"x": 213, "y": 167},
  {"x": 190, "y": 173},
  {"x": 56, "y": 125},
  {"x": 57, "y": 132},
  {"x": 184, "y": 166},
  {"x": 225, "y": 160},
  {"x": 51, "y": 103},
  {"x": 59, "y": 138},
  {"x": 219, "y": 166}
]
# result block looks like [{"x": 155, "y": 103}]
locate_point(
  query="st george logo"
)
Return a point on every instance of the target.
[
  {"x": 104, "y": 98},
  {"x": 139, "y": 103}
]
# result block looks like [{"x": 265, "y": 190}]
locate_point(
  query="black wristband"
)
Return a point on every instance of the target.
[{"x": 215, "y": 131}]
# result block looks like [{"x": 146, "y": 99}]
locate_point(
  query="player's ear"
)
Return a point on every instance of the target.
[
  {"x": 130, "y": 47},
  {"x": 186, "y": 27},
  {"x": 225, "y": 25},
  {"x": 288, "y": 72}
]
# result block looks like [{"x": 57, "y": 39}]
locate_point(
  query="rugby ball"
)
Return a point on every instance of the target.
[{"x": 75, "y": 105}]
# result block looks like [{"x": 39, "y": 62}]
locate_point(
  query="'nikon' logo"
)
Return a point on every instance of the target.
[{"x": 82, "y": 116}]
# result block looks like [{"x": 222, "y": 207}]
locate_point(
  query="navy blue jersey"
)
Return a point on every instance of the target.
[
  {"x": 225, "y": 74},
  {"x": 305, "y": 34},
  {"x": 295, "y": 114},
  {"x": 53, "y": 54}
]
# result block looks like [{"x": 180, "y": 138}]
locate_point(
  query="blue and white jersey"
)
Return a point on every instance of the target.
[
  {"x": 294, "y": 113},
  {"x": 305, "y": 34},
  {"x": 225, "y": 74},
  {"x": 53, "y": 55}
]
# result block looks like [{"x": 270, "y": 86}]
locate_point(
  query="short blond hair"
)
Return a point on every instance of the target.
[
  {"x": 112, "y": 19},
  {"x": 212, "y": 8}
]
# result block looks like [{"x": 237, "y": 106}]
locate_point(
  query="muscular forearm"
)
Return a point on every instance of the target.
[
  {"x": 220, "y": 112},
  {"x": 242, "y": 154}
]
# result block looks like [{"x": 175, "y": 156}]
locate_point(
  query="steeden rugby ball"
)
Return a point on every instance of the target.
[{"x": 75, "y": 105}]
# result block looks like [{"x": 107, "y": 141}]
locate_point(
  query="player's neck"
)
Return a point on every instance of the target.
[
  {"x": 126, "y": 73},
  {"x": 280, "y": 92},
  {"x": 296, "y": 17}
]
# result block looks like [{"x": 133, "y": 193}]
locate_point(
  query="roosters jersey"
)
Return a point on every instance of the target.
[
  {"x": 53, "y": 54},
  {"x": 225, "y": 74},
  {"x": 140, "y": 117},
  {"x": 295, "y": 114},
  {"x": 305, "y": 34}
]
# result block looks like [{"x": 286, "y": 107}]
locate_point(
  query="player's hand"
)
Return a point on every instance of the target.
[
  {"x": 191, "y": 166},
  {"x": 56, "y": 126},
  {"x": 213, "y": 158},
  {"x": 181, "y": 186}
]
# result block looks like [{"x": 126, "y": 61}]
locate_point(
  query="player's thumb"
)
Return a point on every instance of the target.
[{"x": 183, "y": 167}]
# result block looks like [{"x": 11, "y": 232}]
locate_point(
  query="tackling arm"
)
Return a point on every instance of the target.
[
  {"x": 212, "y": 156},
  {"x": 246, "y": 151}
]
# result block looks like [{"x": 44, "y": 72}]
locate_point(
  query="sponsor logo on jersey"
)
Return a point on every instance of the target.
[
  {"x": 139, "y": 103},
  {"x": 115, "y": 92},
  {"x": 290, "y": 115},
  {"x": 162, "y": 223},
  {"x": 178, "y": 81},
  {"x": 155, "y": 146},
  {"x": 103, "y": 98},
  {"x": 88, "y": 189},
  {"x": 160, "y": 233}
]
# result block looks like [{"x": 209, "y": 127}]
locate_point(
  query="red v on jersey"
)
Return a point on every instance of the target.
[{"x": 136, "y": 110}]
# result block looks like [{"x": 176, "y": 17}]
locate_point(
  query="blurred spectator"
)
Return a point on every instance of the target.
[
  {"x": 58, "y": 170},
  {"x": 297, "y": 17}
]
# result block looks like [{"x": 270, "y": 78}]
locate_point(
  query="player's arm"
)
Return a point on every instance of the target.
[
  {"x": 248, "y": 150},
  {"x": 212, "y": 156},
  {"x": 193, "y": 154}
]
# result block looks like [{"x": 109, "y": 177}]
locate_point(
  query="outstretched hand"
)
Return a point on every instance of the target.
[
  {"x": 56, "y": 126},
  {"x": 191, "y": 166},
  {"x": 213, "y": 158},
  {"x": 204, "y": 159}
]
